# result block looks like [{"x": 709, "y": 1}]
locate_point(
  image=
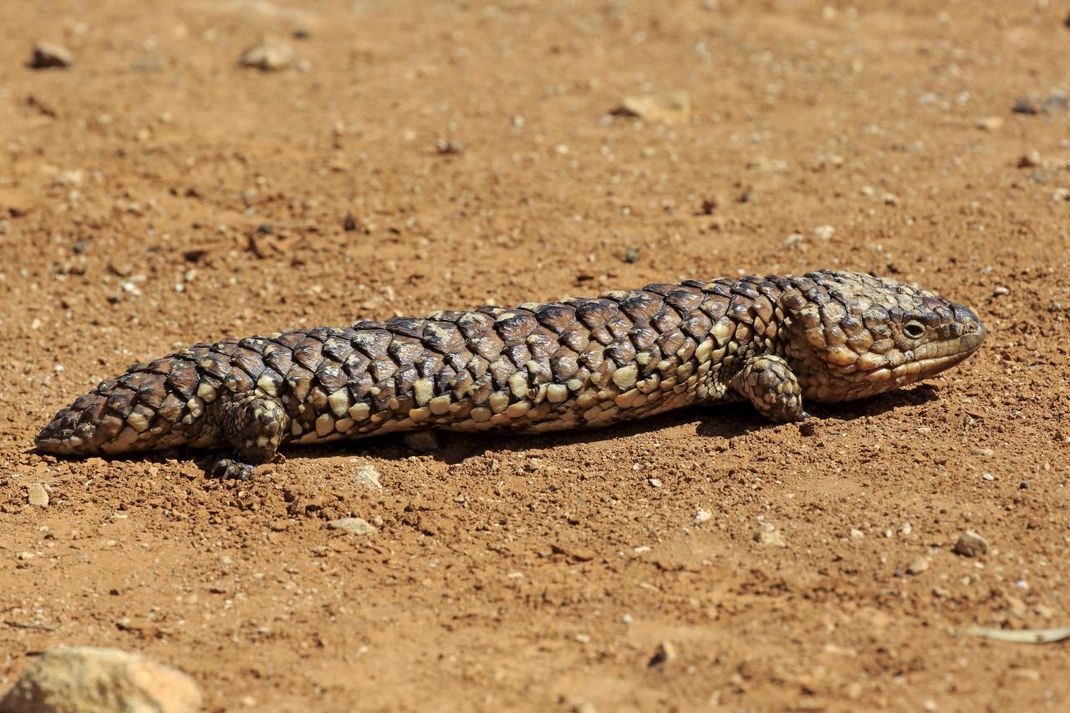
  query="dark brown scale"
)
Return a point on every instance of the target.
[
  {"x": 514, "y": 329},
  {"x": 382, "y": 369},
  {"x": 739, "y": 311},
  {"x": 457, "y": 382},
  {"x": 274, "y": 378},
  {"x": 317, "y": 398},
  {"x": 475, "y": 324},
  {"x": 214, "y": 365},
  {"x": 300, "y": 380},
  {"x": 622, "y": 353},
  {"x": 152, "y": 392},
  {"x": 671, "y": 342},
  {"x": 519, "y": 354},
  {"x": 249, "y": 361},
  {"x": 557, "y": 317},
  {"x": 121, "y": 401},
  {"x": 429, "y": 365},
  {"x": 332, "y": 377},
  {"x": 593, "y": 313},
  {"x": 563, "y": 365},
  {"x": 443, "y": 337},
  {"x": 540, "y": 373},
  {"x": 405, "y": 351},
  {"x": 371, "y": 339},
  {"x": 697, "y": 326},
  {"x": 602, "y": 335},
  {"x": 576, "y": 338},
  {"x": 171, "y": 408},
  {"x": 488, "y": 346},
  {"x": 501, "y": 370},
  {"x": 360, "y": 384},
  {"x": 160, "y": 366},
  {"x": 338, "y": 347},
  {"x": 407, "y": 327},
  {"x": 309, "y": 353},
  {"x": 542, "y": 343},
  {"x": 684, "y": 300}
]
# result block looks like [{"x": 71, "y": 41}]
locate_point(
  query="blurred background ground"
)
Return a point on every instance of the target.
[{"x": 409, "y": 156}]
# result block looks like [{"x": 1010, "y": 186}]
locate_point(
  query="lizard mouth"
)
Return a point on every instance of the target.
[{"x": 932, "y": 358}]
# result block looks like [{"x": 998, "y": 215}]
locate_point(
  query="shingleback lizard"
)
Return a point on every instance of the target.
[{"x": 773, "y": 341}]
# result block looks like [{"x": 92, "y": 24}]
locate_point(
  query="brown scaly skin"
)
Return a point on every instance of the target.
[{"x": 826, "y": 336}]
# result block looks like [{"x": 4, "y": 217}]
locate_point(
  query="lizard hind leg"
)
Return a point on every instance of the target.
[
  {"x": 253, "y": 426},
  {"x": 769, "y": 383}
]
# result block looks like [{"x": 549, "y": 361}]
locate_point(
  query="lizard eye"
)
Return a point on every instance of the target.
[{"x": 914, "y": 329}]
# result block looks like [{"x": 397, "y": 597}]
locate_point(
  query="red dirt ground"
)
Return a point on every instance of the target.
[{"x": 513, "y": 573}]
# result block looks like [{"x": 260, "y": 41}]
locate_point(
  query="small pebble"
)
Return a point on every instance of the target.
[
  {"x": 1029, "y": 160},
  {"x": 702, "y": 516},
  {"x": 47, "y": 55},
  {"x": 918, "y": 566},
  {"x": 990, "y": 123},
  {"x": 36, "y": 495},
  {"x": 448, "y": 147},
  {"x": 1000, "y": 291},
  {"x": 368, "y": 476},
  {"x": 667, "y": 107},
  {"x": 970, "y": 544},
  {"x": 654, "y": 482},
  {"x": 824, "y": 232},
  {"x": 267, "y": 57},
  {"x": 665, "y": 653},
  {"x": 1025, "y": 105},
  {"x": 353, "y": 525},
  {"x": 768, "y": 534}
]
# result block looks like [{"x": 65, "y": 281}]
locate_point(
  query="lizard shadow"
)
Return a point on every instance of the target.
[{"x": 729, "y": 420}]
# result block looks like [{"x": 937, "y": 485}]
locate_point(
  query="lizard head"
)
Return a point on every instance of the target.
[{"x": 851, "y": 335}]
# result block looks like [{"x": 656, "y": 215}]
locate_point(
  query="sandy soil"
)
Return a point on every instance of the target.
[{"x": 155, "y": 194}]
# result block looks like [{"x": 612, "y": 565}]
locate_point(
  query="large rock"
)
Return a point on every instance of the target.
[{"x": 85, "y": 679}]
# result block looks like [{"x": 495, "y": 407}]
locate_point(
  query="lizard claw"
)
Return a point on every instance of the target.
[{"x": 230, "y": 469}]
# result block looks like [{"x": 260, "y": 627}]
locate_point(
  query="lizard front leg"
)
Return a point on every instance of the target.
[
  {"x": 769, "y": 383},
  {"x": 253, "y": 425}
]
